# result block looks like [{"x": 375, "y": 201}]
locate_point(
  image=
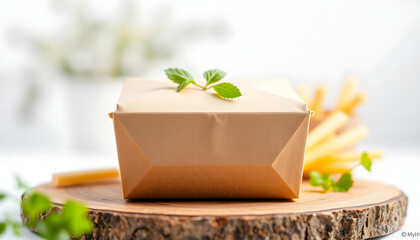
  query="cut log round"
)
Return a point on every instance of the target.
[{"x": 368, "y": 210}]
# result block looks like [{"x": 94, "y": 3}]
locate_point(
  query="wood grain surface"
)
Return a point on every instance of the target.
[{"x": 368, "y": 210}]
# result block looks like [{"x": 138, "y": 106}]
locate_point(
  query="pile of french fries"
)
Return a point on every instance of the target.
[{"x": 330, "y": 147}]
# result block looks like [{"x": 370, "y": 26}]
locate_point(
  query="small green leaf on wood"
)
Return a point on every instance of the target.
[
  {"x": 317, "y": 179},
  {"x": 344, "y": 183}
]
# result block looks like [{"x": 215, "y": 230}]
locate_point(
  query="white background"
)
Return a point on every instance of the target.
[{"x": 304, "y": 41}]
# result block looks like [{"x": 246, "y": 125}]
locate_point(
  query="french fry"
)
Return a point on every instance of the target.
[
  {"x": 318, "y": 101},
  {"x": 339, "y": 167},
  {"x": 70, "y": 178},
  {"x": 355, "y": 102},
  {"x": 355, "y": 156},
  {"x": 347, "y": 93},
  {"x": 332, "y": 167},
  {"x": 327, "y": 152},
  {"x": 342, "y": 141},
  {"x": 350, "y": 156},
  {"x": 327, "y": 138},
  {"x": 331, "y": 124},
  {"x": 304, "y": 92}
]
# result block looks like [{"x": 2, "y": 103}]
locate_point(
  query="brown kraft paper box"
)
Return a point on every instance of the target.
[{"x": 193, "y": 144}]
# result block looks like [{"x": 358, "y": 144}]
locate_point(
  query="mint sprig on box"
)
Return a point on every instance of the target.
[{"x": 223, "y": 90}]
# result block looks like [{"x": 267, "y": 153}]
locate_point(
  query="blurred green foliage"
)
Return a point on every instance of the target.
[
  {"x": 72, "y": 221},
  {"x": 123, "y": 45}
]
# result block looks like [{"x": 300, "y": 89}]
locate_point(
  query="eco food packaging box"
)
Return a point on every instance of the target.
[{"x": 195, "y": 145}]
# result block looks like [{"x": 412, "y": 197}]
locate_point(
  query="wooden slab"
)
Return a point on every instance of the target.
[{"x": 368, "y": 210}]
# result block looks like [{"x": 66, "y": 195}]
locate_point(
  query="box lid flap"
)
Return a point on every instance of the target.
[{"x": 139, "y": 95}]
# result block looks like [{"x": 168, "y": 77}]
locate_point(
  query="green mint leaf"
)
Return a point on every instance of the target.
[
  {"x": 227, "y": 90},
  {"x": 328, "y": 181},
  {"x": 213, "y": 75},
  {"x": 183, "y": 85},
  {"x": 34, "y": 205},
  {"x": 366, "y": 161},
  {"x": 184, "y": 78},
  {"x": 76, "y": 218},
  {"x": 178, "y": 75},
  {"x": 2, "y": 227},
  {"x": 315, "y": 179},
  {"x": 53, "y": 227},
  {"x": 344, "y": 183},
  {"x": 2, "y": 196}
]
